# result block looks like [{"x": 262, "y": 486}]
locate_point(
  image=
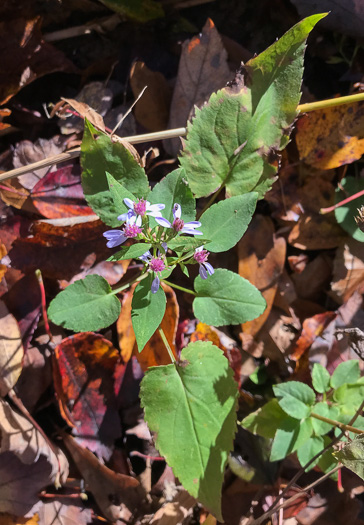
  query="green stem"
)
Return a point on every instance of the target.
[
  {"x": 128, "y": 284},
  {"x": 179, "y": 287},
  {"x": 335, "y": 423},
  {"x": 166, "y": 344}
]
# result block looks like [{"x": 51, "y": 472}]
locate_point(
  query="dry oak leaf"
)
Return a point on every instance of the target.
[
  {"x": 331, "y": 137},
  {"x": 152, "y": 110},
  {"x": 20, "y": 437},
  {"x": 117, "y": 495},
  {"x": 261, "y": 261},
  {"x": 11, "y": 350},
  {"x": 203, "y": 69},
  {"x": 348, "y": 272}
]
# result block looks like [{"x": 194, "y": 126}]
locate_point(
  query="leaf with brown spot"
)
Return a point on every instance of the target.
[
  {"x": 155, "y": 353},
  {"x": 86, "y": 363},
  {"x": 11, "y": 350},
  {"x": 311, "y": 329},
  {"x": 25, "y": 56},
  {"x": 261, "y": 261},
  {"x": 152, "y": 109},
  {"x": 59, "y": 194},
  {"x": 202, "y": 70},
  {"x": 117, "y": 495},
  {"x": 328, "y": 138}
]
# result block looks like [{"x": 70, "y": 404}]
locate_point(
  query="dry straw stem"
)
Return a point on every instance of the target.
[{"x": 167, "y": 134}]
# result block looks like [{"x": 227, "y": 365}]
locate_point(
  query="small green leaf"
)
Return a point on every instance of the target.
[
  {"x": 345, "y": 214},
  {"x": 323, "y": 409},
  {"x": 234, "y": 140},
  {"x": 171, "y": 190},
  {"x": 291, "y": 435},
  {"x": 118, "y": 194},
  {"x": 130, "y": 252},
  {"x": 266, "y": 420},
  {"x": 191, "y": 407},
  {"x": 295, "y": 398},
  {"x": 99, "y": 156},
  {"x": 147, "y": 311},
  {"x": 346, "y": 372},
  {"x": 352, "y": 456},
  {"x": 309, "y": 449},
  {"x": 226, "y": 298},
  {"x": 226, "y": 222},
  {"x": 86, "y": 305},
  {"x": 185, "y": 244},
  {"x": 349, "y": 397},
  {"x": 320, "y": 378}
]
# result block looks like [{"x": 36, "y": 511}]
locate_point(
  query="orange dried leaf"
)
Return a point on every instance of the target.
[{"x": 311, "y": 328}]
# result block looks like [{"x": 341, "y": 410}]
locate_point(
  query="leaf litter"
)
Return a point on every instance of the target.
[{"x": 307, "y": 266}]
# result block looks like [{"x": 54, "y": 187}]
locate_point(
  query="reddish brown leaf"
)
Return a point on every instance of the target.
[
  {"x": 261, "y": 261},
  {"x": 86, "y": 364},
  {"x": 311, "y": 328},
  {"x": 59, "y": 194},
  {"x": 117, "y": 495},
  {"x": 25, "y": 56}
]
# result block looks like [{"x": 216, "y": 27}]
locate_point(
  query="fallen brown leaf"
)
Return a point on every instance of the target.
[
  {"x": 261, "y": 261},
  {"x": 348, "y": 272},
  {"x": 11, "y": 350},
  {"x": 117, "y": 495},
  {"x": 202, "y": 70}
]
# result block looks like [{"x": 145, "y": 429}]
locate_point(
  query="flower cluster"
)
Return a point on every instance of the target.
[{"x": 137, "y": 227}]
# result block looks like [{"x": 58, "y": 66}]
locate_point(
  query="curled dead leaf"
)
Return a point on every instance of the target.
[{"x": 11, "y": 350}]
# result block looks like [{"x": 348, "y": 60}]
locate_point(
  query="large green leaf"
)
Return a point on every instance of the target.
[
  {"x": 234, "y": 140},
  {"x": 345, "y": 214},
  {"x": 226, "y": 222},
  {"x": 226, "y": 298},
  {"x": 100, "y": 155},
  {"x": 147, "y": 311},
  {"x": 191, "y": 408},
  {"x": 86, "y": 305},
  {"x": 118, "y": 194},
  {"x": 295, "y": 398},
  {"x": 174, "y": 189}
]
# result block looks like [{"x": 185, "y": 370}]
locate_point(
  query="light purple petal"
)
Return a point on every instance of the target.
[
  {"x": 163, "y": 222},
  {"x": 177, "y": 210},
  {"x": 129, "y": 203},
  {"x": 114, "y": 237},
  {"x": 193, "y": 224},
  {"x": 155, "y": 284},
  {"x": 209, "y": 268},
  {"x": 191, "y": 231},
  {"x": 165, "y": 247},
  {"x": 138, "y": 221},
  {"x": 199, "y": 249},
  {"x": 126, "y": 216},
  {"x": 154, "y": 209},
  {"x": 202, "y": 272},
  {"x": 145, "y": 256}
]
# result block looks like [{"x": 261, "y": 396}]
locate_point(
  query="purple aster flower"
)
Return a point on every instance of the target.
[
  {"x": 201, "y": 256},
  {"x": 156, "y": 265},
  {"x": 141, "y": 208},
  {"x": 178, "y": 224},
  {"x": 130, "y": 231}
]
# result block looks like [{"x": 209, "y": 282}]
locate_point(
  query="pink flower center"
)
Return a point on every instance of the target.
[
  {"x": 157, "y": 265},
  {"x": 201, "y": 256},
  {"x": 132, "y": 230},
  {"x": 178, "y": 225},
  {"x": 140, "y": 207}
]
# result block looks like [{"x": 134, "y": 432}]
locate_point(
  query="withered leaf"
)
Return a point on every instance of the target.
[{"x": 11, "y": 350}]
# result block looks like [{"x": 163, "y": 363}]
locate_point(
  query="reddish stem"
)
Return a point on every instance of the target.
[
  {"x": 340, "y": 487},
  {"x": 44, "y": 305},
  {"x": 144, "y": 456},
  {"x": 80, "y": 116},
  {"x": 342, "y": 203},
  {"x": 12, "y": 190}
]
